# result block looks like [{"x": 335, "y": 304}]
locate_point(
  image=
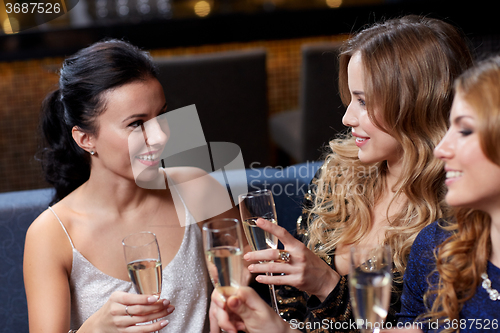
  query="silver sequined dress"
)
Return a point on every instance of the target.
[{"x": 185, "y": 283}]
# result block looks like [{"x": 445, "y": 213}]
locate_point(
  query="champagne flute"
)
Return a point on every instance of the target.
[
  {"x": 370, "y": 281},
  {"x": 254, "y": 205},
  {"x": 142, "y": 255},
  {"x": 224, "y": 254}
]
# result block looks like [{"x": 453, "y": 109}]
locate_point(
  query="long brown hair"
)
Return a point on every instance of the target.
[
  {"x": 410, "y": 64},
  {"x": 463, "y": 257}
]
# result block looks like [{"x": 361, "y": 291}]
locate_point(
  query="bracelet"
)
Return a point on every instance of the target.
[{"x": 72, "y": 331}]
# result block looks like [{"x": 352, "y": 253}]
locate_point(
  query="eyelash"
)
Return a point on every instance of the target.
[
  {"x": 139, "y": 122},
  {"x": 361, "y": 102},
  {"x": 465, "y": 132},
  {"x": 136, "y": 123}
]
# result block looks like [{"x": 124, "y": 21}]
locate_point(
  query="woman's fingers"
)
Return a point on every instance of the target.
[
  {"x": 147, "y": 328},
  {"x": 284, "y": 236},
  {"x": 278, "y": 280},
  {"x": 132, "y": 315},
  {"x": 218, "y": 299},
  {"x": 214, "y": 323},
  {"x": 272, "y": 267},
  {"x": 263, "y": 255},
  {"x": 131, "y": 309},
  {"x": 257, "y": 316},
  {"x": 142, "y": 310},
  {"x": 219, "y": 317},
  {"x": 137, "y": 310},
  {"x": 153, "y": 316},
  {"x": 128, "y": 298}
]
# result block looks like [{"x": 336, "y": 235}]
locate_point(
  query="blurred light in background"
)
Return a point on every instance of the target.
[
  {"x": 334, "y": 3},
  {"x": 10, "y": 26},
  {"x": 164, "y": 7},
  {"x": 202, "y": 8},
  {"x": 122, "y": 8},
  {"x": 143, "y": 7}
]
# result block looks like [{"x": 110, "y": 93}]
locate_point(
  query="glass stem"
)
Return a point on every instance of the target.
[{"x": 272, "y": 291}]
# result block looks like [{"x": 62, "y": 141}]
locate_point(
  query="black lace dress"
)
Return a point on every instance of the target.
[{"x": 307, "y": 313}]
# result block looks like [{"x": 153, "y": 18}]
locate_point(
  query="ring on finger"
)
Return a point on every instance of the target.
[
  {"x": 283, "y": 256},
  {"x": 126, "y": 311}
]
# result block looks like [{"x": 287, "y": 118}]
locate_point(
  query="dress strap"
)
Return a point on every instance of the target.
[{"x": 62, "y": 225}]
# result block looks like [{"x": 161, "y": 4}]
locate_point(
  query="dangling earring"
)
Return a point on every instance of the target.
[{"x": 92, "y": 152}]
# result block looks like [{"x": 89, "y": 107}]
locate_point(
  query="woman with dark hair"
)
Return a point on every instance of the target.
[
  {"x": 74, "y": 268},
  {"x": 452, "y": 281},
  {"x": 379, "y": 185}
]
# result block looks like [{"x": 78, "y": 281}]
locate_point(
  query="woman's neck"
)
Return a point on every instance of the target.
[
  {"x": 113, "y": 193},
  {"x": 393, "y": 174},
  {"x": 495, "y": 237}
]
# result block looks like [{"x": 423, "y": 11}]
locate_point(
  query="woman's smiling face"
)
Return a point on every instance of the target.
[
  {"x": 129, "y": 134},
  {"x": 473, "y": 180},
  {"x": 374, "y": 144}
]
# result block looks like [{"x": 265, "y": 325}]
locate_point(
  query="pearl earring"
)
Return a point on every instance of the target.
[{"x": 92, "y": 152}]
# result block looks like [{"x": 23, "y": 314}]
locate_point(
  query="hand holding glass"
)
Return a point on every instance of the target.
[
  {"x": 142, "y": 256},
  {"x": 370, "y": 280},
  {"x": 224, "y": 254},
  {"x": 254, "y": 205}
]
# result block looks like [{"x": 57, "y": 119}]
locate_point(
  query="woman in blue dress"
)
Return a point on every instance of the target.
[{"x": 453, "y": 275}]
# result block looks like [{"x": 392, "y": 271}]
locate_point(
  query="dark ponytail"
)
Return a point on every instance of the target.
[{"x": 84, "y": 78}]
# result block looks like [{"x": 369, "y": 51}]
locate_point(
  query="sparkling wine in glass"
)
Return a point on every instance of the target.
[
  {"x": 142, "y": 255},
  {"x": 255, "y": 205},
  {"x": 224, "y": 254},
  {"x": 370, "y": 281}
]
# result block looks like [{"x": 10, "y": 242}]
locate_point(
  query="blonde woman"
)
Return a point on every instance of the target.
[
  {"x": 380, "y": 183},
  {"x": 463, "y": 256}
]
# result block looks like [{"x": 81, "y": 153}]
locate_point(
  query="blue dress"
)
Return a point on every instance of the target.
[{"x": 479, "y": 314}]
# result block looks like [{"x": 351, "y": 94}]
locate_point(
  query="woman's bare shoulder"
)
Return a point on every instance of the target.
[
  {"x": 45, "y": 236},
  {"x": 45, "y": 224}
]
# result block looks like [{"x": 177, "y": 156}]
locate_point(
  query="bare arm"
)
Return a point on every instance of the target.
[{"x": 47, "y": 262}]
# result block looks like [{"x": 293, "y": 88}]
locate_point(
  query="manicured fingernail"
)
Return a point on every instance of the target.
[
  {"x": 246, "y": 256},
  {"x": 166, "y": 302},
  {"x": 164, "y": 323},
  {"x": 152, "y": 299},
  {"x": 258, "y": 278},
  {"x": 170, "y": 309},
  {"x": 250, "y": 268}
]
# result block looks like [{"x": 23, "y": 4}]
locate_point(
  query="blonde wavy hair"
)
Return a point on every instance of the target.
[
  {"x": 410, "y": 64},
  {"x": 463, "y": 257}
]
